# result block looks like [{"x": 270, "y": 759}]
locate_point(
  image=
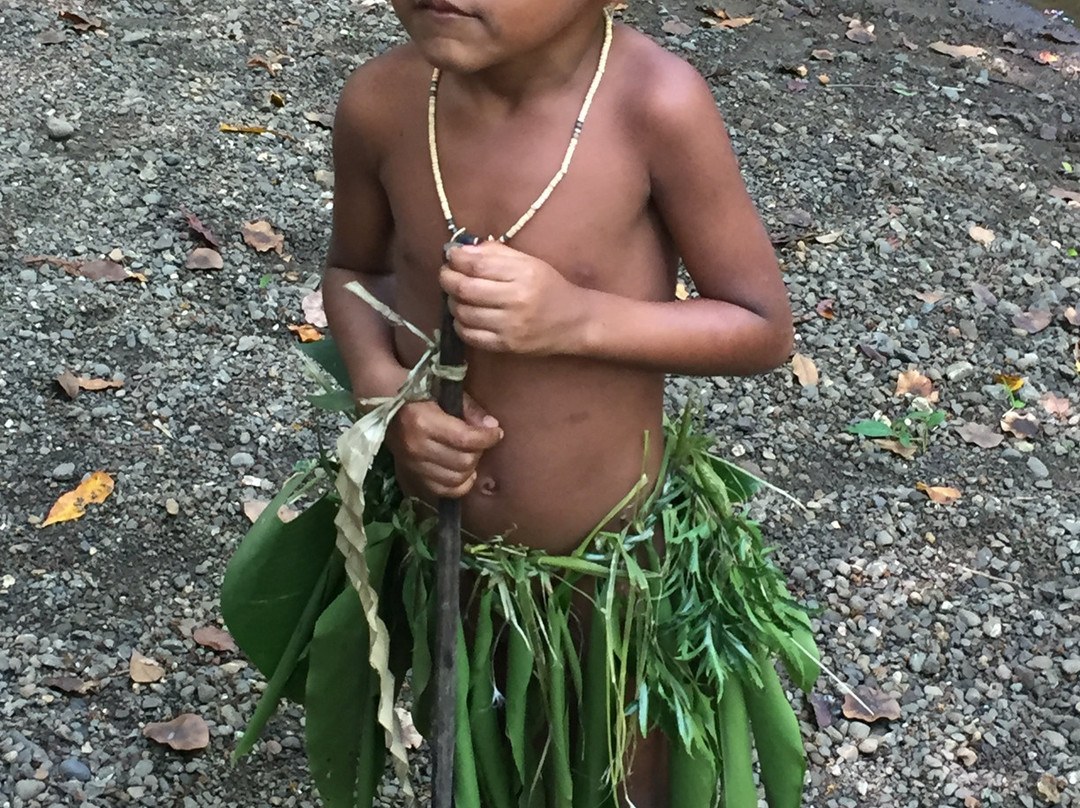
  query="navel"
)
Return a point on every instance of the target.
[{"x": 488, "y": 487}]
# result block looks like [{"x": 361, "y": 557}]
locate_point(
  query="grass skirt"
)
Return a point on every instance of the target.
[{"x": 684, "y": 643}]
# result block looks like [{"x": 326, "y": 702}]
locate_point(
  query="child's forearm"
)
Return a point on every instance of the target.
[
  {"x": 699, "y": 337},
  {"x": 364, "y": 339}
]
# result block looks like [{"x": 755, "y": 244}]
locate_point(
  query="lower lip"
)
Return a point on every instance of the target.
[{"x": 445, "y": 13}]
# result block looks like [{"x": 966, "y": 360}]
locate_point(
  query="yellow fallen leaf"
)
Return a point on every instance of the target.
[
  {"x": 942, "y": 494},
  {"x": 804, "y": 369},
  {"x": 277, "y": 99},
  {"x": 681, "y": 291},
  {"x": 1014, "y": 383},
  {"x": 306, "y": 332},
  {"x": 72, "y": 505}
]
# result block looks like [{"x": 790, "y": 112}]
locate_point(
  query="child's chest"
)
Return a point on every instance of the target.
[{"x": 596, "y": 227}]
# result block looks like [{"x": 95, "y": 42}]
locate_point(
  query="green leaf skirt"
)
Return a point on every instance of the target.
[{"x": 564, "y": 662}]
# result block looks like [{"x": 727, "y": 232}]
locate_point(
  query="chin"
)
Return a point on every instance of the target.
[{"x": 451, "y": 56}]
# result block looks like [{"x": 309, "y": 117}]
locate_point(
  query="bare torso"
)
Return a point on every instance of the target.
[{"x": 575, "y": 429}]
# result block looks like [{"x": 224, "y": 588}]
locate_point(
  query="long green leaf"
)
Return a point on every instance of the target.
[
  {"x": 466, "y": 784},
  {"x": 781, "y": 759},
  {"x": 692, "y": 779},
  {"x": 739, "y": 788},
  {"x": 271, "y": 578},
  {"x": 287, "y": 662},
  {"x": 493, "y": 764},
  {"x": 341, "y": 705},
  {"x": 592, "y": 784}
]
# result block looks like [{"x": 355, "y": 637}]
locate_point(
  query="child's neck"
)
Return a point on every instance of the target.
[{"x": 549, "y": 70}]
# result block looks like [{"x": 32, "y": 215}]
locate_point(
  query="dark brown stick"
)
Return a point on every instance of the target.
[{"x": 447, "y": 581}]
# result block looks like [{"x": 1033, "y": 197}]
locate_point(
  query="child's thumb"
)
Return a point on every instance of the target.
[{"x": 475, "y": 415}]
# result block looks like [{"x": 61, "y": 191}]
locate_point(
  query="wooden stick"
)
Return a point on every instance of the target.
[{"x": 447, "y": 577}]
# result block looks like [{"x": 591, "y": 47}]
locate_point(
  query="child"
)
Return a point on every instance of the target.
[{"x": 570, "y": 325}]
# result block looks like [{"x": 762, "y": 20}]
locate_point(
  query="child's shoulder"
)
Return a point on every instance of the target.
[
  {"x": 374, "y": 93},
  {"x": 661, "y": 90}
]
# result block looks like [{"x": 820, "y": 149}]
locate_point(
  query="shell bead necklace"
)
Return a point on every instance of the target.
[{"x": 579, "y": 124}]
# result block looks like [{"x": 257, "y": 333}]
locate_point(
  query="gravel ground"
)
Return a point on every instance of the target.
[{"x": 968, "y": 614}]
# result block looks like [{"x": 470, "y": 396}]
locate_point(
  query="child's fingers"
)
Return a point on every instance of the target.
[
  {"x": 475, "y": 291},
  {"x": 457, "y": 434},
  {"x": 477, "y": 415},
  {"x": 489, "y": 260},
  {"x": 477, "y": 317},
  {"x": 442, "y": 483}
]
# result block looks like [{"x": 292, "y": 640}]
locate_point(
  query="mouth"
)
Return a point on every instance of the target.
[{"x": 442, "y": 7}]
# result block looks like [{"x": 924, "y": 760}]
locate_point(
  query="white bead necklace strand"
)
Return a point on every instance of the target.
[{"x": 579, "y": 124}]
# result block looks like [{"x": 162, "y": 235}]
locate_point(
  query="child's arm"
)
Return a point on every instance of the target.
[
  {"x": 435, "y": 449},
  {"x": 741, "y": 324}
]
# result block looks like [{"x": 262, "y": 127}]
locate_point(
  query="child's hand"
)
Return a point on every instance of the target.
[
  {"x": 439, "y": 450},
  {"x": 504, "y": 300}
]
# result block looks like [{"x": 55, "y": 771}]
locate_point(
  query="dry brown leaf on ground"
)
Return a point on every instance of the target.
[
  {"x": 823, "y": 54},
  {"x": 323, "y": 119},
  {"x": 1072, "y": 316},
  {"x": 79, "y": 22},
  {"x": 143, "y": 669},
  {"x": 915, "y": 383},
  {"x": 184, "y": 733},
  {"x": 897, "y": 448},
  {"x": 1056, "y": 405},
  {"x": 676, "y": 27},
  {"x": 982, "y": 235},
  {"x": 205, "y": 258},
  {"x": 260, "y": 235},
  {"x": 306, "y": 332},
  {"x": 215, "y": 638},
  {"x": 72, "y": 505},
  {"x": 312, "y": 304},
  {"x": 941, "y": 494},
  {"x": 253, "y": 508},
  {"x": 71, "y": 684},
  {"x": 103, "y": 270},
  {"x": 99, "y": 384},
  {"x": 860, "y": 32},
  {"x": 829, "y": 238},
  {"x": 1021, "y": 424},
  {"x": 1049, "y": 788},
  {"x": 930, "y": 297},
  {"x": 258, "y": 61},
  {"x": 825, "y": 308},
  {"x": 957, "y": 51},
  {"x": 1032, "y": 321},
  {"x": 201, "y": 230},
  {"x": 71, "y": 267},
  {"x": 804, "y": 369},
  {"x": 981, "y": 435},
  {"x": 882, "y": 706},
  {"x": 721, "y": 19}
]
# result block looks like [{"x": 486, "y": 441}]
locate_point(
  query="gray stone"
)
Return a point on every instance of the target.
[
  {"x": 29, "y": 789},
  {"x": 74, "y": 769},
  {"x": 59, "y": 129},
  {"x": 859, "y": 730},
  {"x": 1038, "y": 468},
  {"x": 64, "y": 471},
  {"x": 241, "y": 460}
]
